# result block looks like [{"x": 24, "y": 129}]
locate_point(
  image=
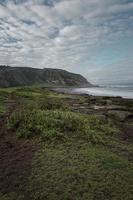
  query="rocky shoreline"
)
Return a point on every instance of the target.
[{"x": 117, "y": 109}]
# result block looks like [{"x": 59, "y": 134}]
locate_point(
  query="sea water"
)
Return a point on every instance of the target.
[{"x": 122, "y": 91}]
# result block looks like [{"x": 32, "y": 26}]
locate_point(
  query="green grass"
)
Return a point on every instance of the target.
[
  {"x": 32, "y": 96},
  {"x": 2, "y": 109},
  {"x": 51, "y": 125},
  {"x": 3, "y": 96},
  {"x": 11, "y": 196},
  {"x": 76, "y": 170}
]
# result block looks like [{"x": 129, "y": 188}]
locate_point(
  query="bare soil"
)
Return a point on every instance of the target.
[{"x": 15, "y": 158}]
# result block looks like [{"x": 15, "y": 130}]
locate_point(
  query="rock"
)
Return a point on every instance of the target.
[
  {"x": 115, "y": 107},
  {"x": 127, "y": 133},
  {"x": 97, "y": 107},
  {"x": 119, "y": 115},
  {"x": 85, "y": 104},
  {"x": 109, "y": 102},
  {"x": 75, "y": 105}
]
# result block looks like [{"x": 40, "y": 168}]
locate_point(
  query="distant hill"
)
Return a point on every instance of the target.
[{"x": 21, "y": 76}]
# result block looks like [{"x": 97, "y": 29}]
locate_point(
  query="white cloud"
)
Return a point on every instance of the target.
[
  {"x": 65, "y": 35},
  {"x": 117, "y": 73}
]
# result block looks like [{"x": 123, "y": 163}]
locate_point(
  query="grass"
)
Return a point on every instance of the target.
[
  {"x": 76, "y": 170},
  {"x": 81, "y": 157},
  {"x": 2, "y": 109},
  {"x": 51, "y": 125},
  {"x": 3, "y": 97},
  {"x": 32, "y": 97},
  {"x": 11, "y": 196}
]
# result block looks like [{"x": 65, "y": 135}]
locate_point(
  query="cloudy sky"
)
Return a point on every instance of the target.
[{"x": 91, "y": 37}]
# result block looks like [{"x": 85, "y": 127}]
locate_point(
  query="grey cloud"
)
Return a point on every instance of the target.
[{"x": 61, "y": 34}]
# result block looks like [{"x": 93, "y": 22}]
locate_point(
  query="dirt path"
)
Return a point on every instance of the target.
[{"x": 15, "y": 158}]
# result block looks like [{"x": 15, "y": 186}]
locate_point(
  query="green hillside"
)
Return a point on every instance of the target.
[{"x": 26, "y": 76}]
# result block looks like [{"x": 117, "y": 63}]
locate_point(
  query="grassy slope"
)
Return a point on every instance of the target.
[{"x": 81, "y": 157}]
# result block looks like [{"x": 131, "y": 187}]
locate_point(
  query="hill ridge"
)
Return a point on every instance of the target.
[{"x": 22, "y": 76}]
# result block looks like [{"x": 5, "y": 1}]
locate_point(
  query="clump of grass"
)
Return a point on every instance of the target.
[
  {"x": 52, "y": 104},
  {"x": 51, "y": 125}
]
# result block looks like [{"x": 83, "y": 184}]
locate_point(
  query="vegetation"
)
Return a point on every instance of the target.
[
  {"x": 80, "y": 156},
  {"x": 22, "y": 76},
  {"x": 58, "y": 124},
  {"x": 3, "y": 96},
  {"x": 76, "y": 170}
]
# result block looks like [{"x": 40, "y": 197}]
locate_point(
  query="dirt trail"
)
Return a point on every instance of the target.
[{"x": 15, "y": 157}]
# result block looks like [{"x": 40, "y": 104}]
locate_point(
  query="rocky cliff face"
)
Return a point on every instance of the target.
[{"x": 20, "y": 76}]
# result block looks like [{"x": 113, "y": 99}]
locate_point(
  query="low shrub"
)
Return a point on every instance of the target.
[
  {"x": 52, "y": 104},
  {"x": 51, "y": 125}
]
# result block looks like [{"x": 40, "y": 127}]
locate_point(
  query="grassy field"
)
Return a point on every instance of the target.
[{"x": 77, "y": 156}]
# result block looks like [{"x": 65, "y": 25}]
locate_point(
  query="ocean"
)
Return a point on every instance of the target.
[{"x": 114, "y": 91}]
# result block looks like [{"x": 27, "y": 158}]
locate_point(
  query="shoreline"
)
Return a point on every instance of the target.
[
  {"x": 83, "y": 91},
  {"x": 118, "y": 109}
]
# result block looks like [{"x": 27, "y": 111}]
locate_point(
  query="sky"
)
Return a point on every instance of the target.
[{"x": 90, "y": 37}]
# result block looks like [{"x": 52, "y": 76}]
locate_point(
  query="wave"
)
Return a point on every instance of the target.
[
  {"x": 117, "y": 86},
  {"x": 125, "y": 92}
]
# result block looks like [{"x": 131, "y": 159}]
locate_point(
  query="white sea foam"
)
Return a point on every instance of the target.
[{"x": 125, "y": 92}]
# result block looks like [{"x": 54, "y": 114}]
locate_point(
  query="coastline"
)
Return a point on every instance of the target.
[
  {"x": 112, "y": 107},
  {"x": 97, "y": 91}
]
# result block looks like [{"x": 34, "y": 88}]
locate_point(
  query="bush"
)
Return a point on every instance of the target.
[
  {"x": 52, "y": 104},
  {"x": 52, "y": 125}
]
